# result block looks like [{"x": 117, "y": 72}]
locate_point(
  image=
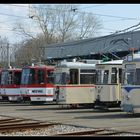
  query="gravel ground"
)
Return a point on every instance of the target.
[{"x": 51, "y": 131}]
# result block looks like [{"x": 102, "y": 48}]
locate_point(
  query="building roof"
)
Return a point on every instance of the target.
[{"x": 105, "y": 44}]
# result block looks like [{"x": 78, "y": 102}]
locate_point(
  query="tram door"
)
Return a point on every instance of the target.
[
  {"x": 0, "y": 87},
  {"x": 74, "y": 76},
  {"x": 120, "y": 83},
  {"x": 65, "y": 90},
  {"x": 4, "y": 83}
]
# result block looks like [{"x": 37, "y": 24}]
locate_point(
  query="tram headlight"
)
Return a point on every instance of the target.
[
  {"x": 28, "y": 91},
  {"x": 127, "y": 97}
]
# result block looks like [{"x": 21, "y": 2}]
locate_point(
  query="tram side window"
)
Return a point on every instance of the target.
[
  {"x": 120, "y": 75},
  {"x": 74, "y": 76},
  {"x": 87, "y": 77},
  {"x": 4, "y": 78},
  {"x": 114, "y": 76},
  {"x": 137, "y": 82},
  {"x": 17, "y": 78},
  {"x": 106, "y": 74},
  {"x": 10, "y": 78},
  {"x": 41, "y": 75},
  {"x": 32, "y": 77},
  {"x": 50, "y": 77},
  {"x": 25, "y": 76},
  {"x": 99, "y": 76}
]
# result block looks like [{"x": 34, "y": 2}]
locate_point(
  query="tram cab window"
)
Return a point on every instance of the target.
[
  {"x": 4, "y": 78},
  {"x": 10, "y": 78},
  {"x": 40, "y": 75},
  {"x": 74, "y": 76},
  {"x": 17, "y": 78},
  {"x": 32, "y": 79},
  {"x": 25, "y": 76},
  {"x": 0, "y": 78},
  {"x": 106, "y": 75},
  {"x": 50, "y": 77},
  {"x": 61, "y": 78},
  {"x": 114, "y": 76},
  {"x": 129, "y": 77},
  {"x": 57, "y": 78}
]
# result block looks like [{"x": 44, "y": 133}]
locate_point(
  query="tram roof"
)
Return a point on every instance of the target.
[
  {"x": 116, "y": 62},
  {"x": 76, "y": 65},
  {"x": 12, "y": 69},
  {"x": 133, "y": 58},
  {"x": 42, "y": 67}
]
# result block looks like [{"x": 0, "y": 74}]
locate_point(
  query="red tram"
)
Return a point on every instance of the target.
[{"x": 37, "y": 84}]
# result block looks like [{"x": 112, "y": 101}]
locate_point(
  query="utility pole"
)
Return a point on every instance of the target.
[{"x": 8, "y": 55}]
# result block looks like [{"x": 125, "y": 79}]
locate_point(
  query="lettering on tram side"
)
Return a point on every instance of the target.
[{"x": 37, "y": 91}]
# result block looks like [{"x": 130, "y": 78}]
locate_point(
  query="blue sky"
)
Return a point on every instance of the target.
[
  {"x": 117, "y": 11},
  {"x": 113, "y": 17}
]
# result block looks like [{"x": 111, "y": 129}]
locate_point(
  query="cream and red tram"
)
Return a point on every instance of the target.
[{"x": 75, "y": 83}]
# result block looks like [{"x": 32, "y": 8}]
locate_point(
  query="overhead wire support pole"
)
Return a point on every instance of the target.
[{"x": 8, "y": 55}]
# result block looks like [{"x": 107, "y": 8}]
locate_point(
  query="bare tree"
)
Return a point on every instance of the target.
[
  {"x": 89, "y": 25},
  {"x": 56, "y": 23},
  {"x": 3, "y": 51},
  {"x": 61, "y": 21}
]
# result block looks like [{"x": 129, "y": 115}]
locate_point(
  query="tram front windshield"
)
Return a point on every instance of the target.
[
  {"x": 4, "y": 78},
  {"x": 131, "y": 77},
  {"x": 102, "y": 76},
  {"x": 60, "y": 78},
  {"x": 28, "y": 76}
]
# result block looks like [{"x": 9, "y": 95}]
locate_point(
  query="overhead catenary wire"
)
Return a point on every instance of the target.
[
  {"x": 128, "y": 28},
  {"x": 111, "y": 16},
  {"x": 93, "y": 6},
  {"x": 122, "y": 18},
  {"x": 23, "y": 17}
]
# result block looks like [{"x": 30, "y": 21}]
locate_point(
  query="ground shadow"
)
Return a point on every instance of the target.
[{"x": 110, "y": 116}]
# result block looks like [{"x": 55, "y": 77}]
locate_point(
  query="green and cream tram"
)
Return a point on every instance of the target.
[{"x": 108, "y": 85}]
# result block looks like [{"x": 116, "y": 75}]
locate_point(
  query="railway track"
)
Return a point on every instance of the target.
[
  {"x": 10, "y": 123},
  {"x": 100, "y": 132}
]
